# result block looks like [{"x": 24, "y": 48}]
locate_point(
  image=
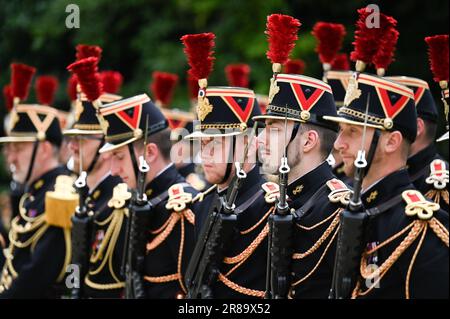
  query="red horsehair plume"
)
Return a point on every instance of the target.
[
  {"x": 341, "y": 62},
  {"x": 85, "y": 51},
  {"x": 163, "y": 86},
  {"x": 88, "y": 77},
  {"x": 112, "y": 81},
  {"x": 21, "y": 76},
  {"x": 438, "y": 56},
  {"x": 238, "y": 75},
  {"x": 8, "y": 97},
  {"x": 294, "y": 66},
  {"x": 329, "y": 37},
  {"x": 199, "y": 52},
  {"x": 282, "y": 33},
  {"x": 385, "y": 55},
  {"x": 46, "y": 87},
  {"x": 193, "y": 87},
  {"x": 72, "y": 83},
  {"x": 368, "y": 37}
]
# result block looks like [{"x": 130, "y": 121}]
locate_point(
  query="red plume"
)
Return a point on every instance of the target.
[
  {"x": 295, "y": 66},
  {"x": 238, "y": 75},
  {"x": 88, "y": 77},
  {"x": 8, "y": 96},
  {"x": 438, "y": 55},
  {"x": 341, "y": 62},
  {"x": 46, "y": 87},
  {"x": 86, "y": 51},
  {"x": 329, "y": 37},
  {"x": 21, "y": 76},
  {"x": 367, "y": 40},
  {"x": 385, "y": 55},
  {"x": 193, "y": 87},
  {"x": 72, "y": 87},
  {"x": 199, "y": 52},
  {"x": 112, "y": 81},
  {"x": 163, "y": 86},
  {"x": 282, "y": 33}
]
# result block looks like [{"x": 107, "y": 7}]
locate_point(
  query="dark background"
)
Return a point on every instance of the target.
[{"x": 140, "y": 36}]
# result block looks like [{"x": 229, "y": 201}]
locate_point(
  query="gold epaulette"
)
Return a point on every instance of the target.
[
  {"x": 200, "y": 196},
  {"x": 417, "y": 205},
  {"x": 340, "y": 193},
  {"x": 120, "y": 196},
  {"x": 178, "y": 198},
  {"x": 272, "y": 192},
  {"x": 61, "y": 203},
  {"x": 438, "y": 174}
]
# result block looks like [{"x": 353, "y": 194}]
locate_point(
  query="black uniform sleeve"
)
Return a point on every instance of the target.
[{"x": 36, "y": 278}]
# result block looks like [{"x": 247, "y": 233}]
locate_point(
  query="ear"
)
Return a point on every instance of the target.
[
  {"x": 393, "y": 142},
  {"x": 152, "y": 152},
  {"x": 420, "y": 127},
  {"x": 310, "y": 141}
]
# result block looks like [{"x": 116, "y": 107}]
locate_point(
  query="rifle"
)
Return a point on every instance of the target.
[
  {"x": 134, "y": 249},
  {"x": 82, "y": 231},
  {"x": 279, "y": 254},
  {"x": 351, "y": 237},
  {"x": 215, "y": 238}
]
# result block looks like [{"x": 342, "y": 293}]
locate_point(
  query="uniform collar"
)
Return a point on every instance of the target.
[
  {"x": 105, "y": 188},
  {"x": 304, "y": 187},
  {"x": 386, "y": 188},
  {"x": 45, "y": 179},
  {"x": 421, "y": 159},
  {"x": 166, "y": 178}
]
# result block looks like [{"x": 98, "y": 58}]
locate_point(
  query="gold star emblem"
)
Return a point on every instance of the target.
[{"x": 203, "y": 108}]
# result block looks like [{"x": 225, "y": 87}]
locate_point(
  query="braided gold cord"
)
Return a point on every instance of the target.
[
  {"x": 390, "y": 239},
  {"x": 242, "y": 290},
  {"x": 408, "y": 274},
  {"x": 321, "y": 222},
  {"x": 418, "y": 226},
  {"x": 38, "y": 234},
  {"x": 321, "y": 240},
  {"x": 250, "y": 249},
  {"x": 439, "y": 230},
  {"x": 180, "y": 256},
  {"x": 160, "y": 229},
  {"x": 109, "y": 232},
  {"x": 244, "y": 232},
  {"x": 29, "y": 226},
  {"x": 436, "y": 195},
  {"x": 162, "y": 279},
  {"x": 161, "y": 237},
  {"x": 319, "y": 261},
  {"x": 96, "y": 286},
  {"x": 107, "y": 220},
  {"x": 189, "y": 216}
]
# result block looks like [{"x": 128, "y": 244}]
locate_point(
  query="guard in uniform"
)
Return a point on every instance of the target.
[
  {"x": 427, "y": 169},
  {"x": 39, "y": 249},
  {"x": 180, "y": 123},
  {"x": 102, "y": 278},
  {"x": 170, "y": 231},
  {"x": 295, "y": 127},
  {"x": 223, "y": 127},
  {"x": 406, "y": 255}
]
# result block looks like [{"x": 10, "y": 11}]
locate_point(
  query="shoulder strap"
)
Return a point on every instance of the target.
[
  {"x": 241, "y": 208},
  {"x": 311, "y": 202},
  {"x": 163, "y": 196}
]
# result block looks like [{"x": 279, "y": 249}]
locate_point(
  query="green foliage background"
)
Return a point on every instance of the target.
[{"x": 140, "y": 36}]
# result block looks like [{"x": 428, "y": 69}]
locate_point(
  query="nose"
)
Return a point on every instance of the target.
[
  {"x": 339, "y": 143},
  {"x": 115, "y": 167}
]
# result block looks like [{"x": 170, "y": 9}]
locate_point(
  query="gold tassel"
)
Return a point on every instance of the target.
[{"x": 61, "y": 203}]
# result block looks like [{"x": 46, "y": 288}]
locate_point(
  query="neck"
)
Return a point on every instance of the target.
[
  {"x": 418, "y": 146},
  {"x": 40, "y": 169},
  {"x": 306, "y": 165},
  {"x": 155, "y": 169},
  {"x": 379, "y": 170},
  {"x": 101, "y": 168}
]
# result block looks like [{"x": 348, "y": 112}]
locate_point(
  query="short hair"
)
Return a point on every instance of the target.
[
  {"x": 430, "y": 130},
  {"x": 327, "y": 137},
  {"x": 161, "y": 139}
]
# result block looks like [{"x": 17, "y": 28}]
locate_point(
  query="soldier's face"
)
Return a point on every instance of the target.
[
  {"x": 18, "y": 156},
  {"x": 271, "y": 144},
  {"x": 122, "y": 165},
  {"x": 348, "y": 143},
  {"x": 215, "y": 156},
  {"x": 86, "y": 147}
]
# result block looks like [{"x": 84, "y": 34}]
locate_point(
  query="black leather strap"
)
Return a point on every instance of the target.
[
  {"x": 375, "y": 211},
  {"x": 244, "y": 206},
  {"x": 97, "y": 155},
  {"x": 310, "y": 203},
  {"x": 33, "y": 158},
  {"x": 134, "y": 161},
  {"x": 230, "y": 161}
]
